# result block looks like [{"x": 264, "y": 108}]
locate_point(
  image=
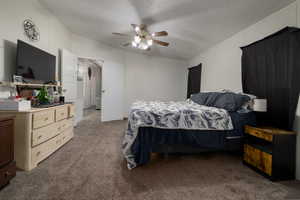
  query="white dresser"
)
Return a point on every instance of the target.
[{"x": 40, "y": 132}]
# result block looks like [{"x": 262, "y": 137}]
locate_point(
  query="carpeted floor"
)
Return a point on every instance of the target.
[{"x": 91, "y": 167}]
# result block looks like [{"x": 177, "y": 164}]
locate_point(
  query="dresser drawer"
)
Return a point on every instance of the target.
[
  {"x": 7, "y": 172},
  {"x": 64, "y": 124},
  {"x": 61, "y": 113},
  {"x": 43, "y": 150},
  {"x": 259, "y": 133},
  {"x": 67, "y": 135},
  {"x": 42, "y": 118},
  {"x": 71, "y": 109},
  {"x": 63, "y": 137},
  {"x": 45, "y": 133}
]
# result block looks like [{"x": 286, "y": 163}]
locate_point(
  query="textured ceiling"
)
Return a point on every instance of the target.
[{"x": 193, "y": 25}]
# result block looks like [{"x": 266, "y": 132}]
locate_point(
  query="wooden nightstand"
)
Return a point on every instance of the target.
[{"x": 271, "y": 152}]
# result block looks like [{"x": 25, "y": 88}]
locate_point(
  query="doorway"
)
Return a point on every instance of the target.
[
  {"x": 90, "y": 86},
  {"x": 194, "y": 80}
]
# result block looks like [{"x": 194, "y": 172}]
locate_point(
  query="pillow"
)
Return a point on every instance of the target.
[
  {"x": 249, "y": 104},
  {"x": 227, "y": 100}
]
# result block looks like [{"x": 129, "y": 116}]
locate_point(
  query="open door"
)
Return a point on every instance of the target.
[
  {"x": 112, "y": 91},
  {"x": 69, "y": 82},
  {"x": 69, "y": 75}
]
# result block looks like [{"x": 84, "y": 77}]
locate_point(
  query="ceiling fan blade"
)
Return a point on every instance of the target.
[
  {"x": 143, "y": 26},
  {"x": 126, "y": 44},
  {"x": 121, "y": 34},
  {"x": 161, "y": 33},
  {"x": 134, "y": 25},
  {"x": 161, "y": 43}
]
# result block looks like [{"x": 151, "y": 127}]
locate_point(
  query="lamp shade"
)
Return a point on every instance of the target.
[{"x": 260, "y": 105}]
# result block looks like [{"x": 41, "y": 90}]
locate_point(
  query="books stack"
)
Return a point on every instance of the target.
[{"x": 15, "y": 105}]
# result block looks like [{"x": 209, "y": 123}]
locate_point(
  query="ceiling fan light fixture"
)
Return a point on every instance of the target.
[
  {"x": 137, "y": 29},
  {"x": 143, "y": 39},
  {"x": 137, "y": 39},
  {"x": 150, "y": 42},
  {"x": 143, "y": 46},
  {"x": 134, "y": 44}
]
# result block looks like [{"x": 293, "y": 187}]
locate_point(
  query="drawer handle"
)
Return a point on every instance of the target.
[
  {"x": 40, "y": 136},
  {"x": 38, "y": 153},
  {"x": 64, "y": 138},
  {"x": 7, "y": 174}
]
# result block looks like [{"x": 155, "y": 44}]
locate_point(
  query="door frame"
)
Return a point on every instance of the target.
[{"x": 101, "y": 67}]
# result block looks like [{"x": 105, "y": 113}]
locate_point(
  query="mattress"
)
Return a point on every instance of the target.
[{"x": 153, "y": 139}]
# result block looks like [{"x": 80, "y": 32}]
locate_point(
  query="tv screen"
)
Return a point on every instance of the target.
[{"x": 35, "y": 64}]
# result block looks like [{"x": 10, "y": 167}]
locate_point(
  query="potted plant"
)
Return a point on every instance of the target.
[{"x": 43, "y": 97}]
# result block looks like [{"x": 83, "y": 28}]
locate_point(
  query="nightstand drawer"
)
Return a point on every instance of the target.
[
  {"x": 259, "y": 133},
  {"x": 258, "y": 159},
  {"x": 266, "y": 163},
  {"x": 251, "y": 155}
]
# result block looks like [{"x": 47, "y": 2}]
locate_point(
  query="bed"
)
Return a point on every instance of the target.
[{"x": 196, "y": 125}]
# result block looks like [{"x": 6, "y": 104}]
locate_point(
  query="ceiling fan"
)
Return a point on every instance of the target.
[{"x": 143, "y": 39}]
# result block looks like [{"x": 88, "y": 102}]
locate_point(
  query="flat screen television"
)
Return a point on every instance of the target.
[{"x": 35, "y": 65}]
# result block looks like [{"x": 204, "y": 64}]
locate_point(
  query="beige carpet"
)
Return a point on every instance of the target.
[{"x": 91, "y": 167}]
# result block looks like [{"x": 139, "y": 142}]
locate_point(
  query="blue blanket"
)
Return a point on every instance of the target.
[
  {"x": 149, "y": 138},
  {"x": 185, "y": 115}
]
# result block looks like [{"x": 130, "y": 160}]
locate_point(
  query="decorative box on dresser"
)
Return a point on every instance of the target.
[
  {"x": 39, "y": 132},
  {"x": 7, "y": 163},
  {"x": 271, "y": 152}
]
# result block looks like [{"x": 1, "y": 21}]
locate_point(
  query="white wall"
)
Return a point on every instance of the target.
[
  {"x": 113, "y": 74},
  {"x": 12, "y": 14},
  {"x": 154, "y": 78},
  {"x": 148, "y": 78},
  {"x": 222, "y": 63}
]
